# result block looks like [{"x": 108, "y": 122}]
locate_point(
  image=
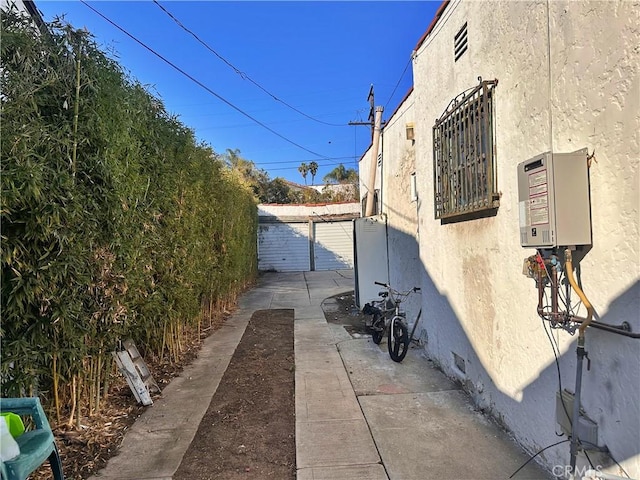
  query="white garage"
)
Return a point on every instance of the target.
[
  {"x": 333, "y": 245},
  {"x": 283, "y": 247},
  {"x": 302, "y": 238}
]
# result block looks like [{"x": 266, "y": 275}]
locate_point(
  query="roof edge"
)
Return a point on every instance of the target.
[{"x": 439, "y": 12}]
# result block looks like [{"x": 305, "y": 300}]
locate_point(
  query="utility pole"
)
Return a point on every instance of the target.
[
  {"x": 375, "y": 122},
  {"x": 370, "y": 122},
  {"x": 374, "y": 161}
]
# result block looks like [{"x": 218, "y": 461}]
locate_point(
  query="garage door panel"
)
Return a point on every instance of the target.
[
  {"x": 333, "y": 245},
  {"x": 283, "y": 247}
]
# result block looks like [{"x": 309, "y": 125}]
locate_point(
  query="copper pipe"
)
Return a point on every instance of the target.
[
  {"x": 554, "y": 290},
  {"x": 540, "y": 293},
  {"x": 578, "y": 290}
]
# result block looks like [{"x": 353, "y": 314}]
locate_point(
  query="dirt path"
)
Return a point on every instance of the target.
[{"x": 248, "y": 431}]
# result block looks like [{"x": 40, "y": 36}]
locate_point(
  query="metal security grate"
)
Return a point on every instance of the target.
[{"x": 464, "y": 166}]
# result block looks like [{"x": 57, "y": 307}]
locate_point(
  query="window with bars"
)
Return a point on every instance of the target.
[{"x": 464, "y": 167}]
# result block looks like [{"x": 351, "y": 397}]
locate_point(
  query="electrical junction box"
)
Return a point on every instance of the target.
[
  {"x": 553, "y": 199},
  {"x": 587, "y": 429}
]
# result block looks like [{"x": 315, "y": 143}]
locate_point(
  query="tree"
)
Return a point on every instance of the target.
[
  {"x": 313, "y": 168},
  {"x": 304, "y": 169},
  {"x": 341, "y": 175},
  {"x": 277, "y": 191},
  {"x": 252, "y": 176}
]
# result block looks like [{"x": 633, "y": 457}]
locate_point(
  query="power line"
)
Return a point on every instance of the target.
[
  {"x": 398, "y": 84},
  {"x": 242, "y": 74},
  {"x": 298, "y": 162},
  {"x": 321, "y": 165},
  {"x": 199, "y": 83},
  {"x": 329, "y": 164}
]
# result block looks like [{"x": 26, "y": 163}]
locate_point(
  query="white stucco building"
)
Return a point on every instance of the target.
[
  {"x": 567, "y": 79},
  {"x": 26, "y": 6}
]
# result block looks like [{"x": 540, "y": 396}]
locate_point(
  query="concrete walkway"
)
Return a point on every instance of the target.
[{"x": 359, "y": 415}]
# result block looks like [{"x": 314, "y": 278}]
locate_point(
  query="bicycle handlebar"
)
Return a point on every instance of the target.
[{"x": 392, "y": 290}]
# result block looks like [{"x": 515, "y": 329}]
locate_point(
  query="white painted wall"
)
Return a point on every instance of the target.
[
  {"x": 19, "y": 4},
  {"x": 400, "y": 210},
  {"x": 279, "y": 210},
  {"x": 364, "y": 169},
  {"x": 568, "y": 79}
]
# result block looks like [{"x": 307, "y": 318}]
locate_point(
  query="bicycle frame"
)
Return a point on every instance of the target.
[{"x": 393, "y": 319}]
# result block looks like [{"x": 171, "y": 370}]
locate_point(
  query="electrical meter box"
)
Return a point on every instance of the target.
[{"x": 553, "y": 199}]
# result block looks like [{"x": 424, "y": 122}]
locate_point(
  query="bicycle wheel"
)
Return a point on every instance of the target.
[
  {"x": 377, "y": 327},
  {"x": 398, "y": 339}
]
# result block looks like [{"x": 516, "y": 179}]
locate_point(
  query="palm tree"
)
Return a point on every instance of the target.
[
  {"x": 341, "y": 175},
  {"x": 313, "y": 168},
  {"x": 304, "y": 169}
]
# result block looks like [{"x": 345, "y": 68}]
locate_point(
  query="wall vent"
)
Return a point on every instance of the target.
[
  {"x": 460, "y": 42},
  {"x": 410, "y": 132}
]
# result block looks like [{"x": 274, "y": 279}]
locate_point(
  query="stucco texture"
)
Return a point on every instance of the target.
[{"x": 568, "y": 79}]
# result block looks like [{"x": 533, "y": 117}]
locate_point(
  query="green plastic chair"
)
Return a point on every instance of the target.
[{"x": 36, "y": 446}]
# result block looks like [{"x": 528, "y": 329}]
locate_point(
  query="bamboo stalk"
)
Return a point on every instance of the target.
[
  {"x": 78, "y": 397},
  {"x": 73, "y": 401},
  {"x": 91, "y": 369},
  {"x": 107, "y": 380},
  {"x": 164, "y": 340},
  {"x": 76, "y": 110},
  {"x": 56, "y": 395},
  {"x": 98, "y": 380}
]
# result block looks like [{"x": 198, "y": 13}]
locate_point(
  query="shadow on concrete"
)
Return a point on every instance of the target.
[{"x": 609, "y": 394}]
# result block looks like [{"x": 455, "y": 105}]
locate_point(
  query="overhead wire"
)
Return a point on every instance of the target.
[
  {"x": 242, "y": 74},
  {"x": 199, "y": 83},
  {"x": 285, "y": 162},
  {"x": 398, "y": 83},
  {"x": 321, "y": 165}
]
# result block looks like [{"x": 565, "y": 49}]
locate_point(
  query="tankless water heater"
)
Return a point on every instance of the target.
[{"x": 553, "y": 199}]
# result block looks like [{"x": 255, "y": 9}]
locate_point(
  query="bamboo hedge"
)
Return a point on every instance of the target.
[{"x": 116, "y": 222}]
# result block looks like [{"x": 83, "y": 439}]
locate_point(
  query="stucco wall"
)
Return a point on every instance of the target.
[
  {"x": 568, "y": 79},
  {"x": 19, "y": 4},
  {"x": 393, "y": 180},
  {"x": 364, "y": 171},
  {"x": 280, "y": 210},
  {"x": 401, "y": 211}
]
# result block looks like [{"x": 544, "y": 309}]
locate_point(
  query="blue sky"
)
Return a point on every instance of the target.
[{"x": 318, "y": 57}]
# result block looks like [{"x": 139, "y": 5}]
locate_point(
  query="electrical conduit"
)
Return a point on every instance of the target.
[{"x": 581, "y": 353}]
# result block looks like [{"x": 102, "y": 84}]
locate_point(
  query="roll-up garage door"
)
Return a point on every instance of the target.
[
  {"x": 284, "y": 247},
  {"x": 333, "y": 245}
]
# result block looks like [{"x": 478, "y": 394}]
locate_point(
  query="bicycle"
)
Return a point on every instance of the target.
[{"x": 386, "y": 316}]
